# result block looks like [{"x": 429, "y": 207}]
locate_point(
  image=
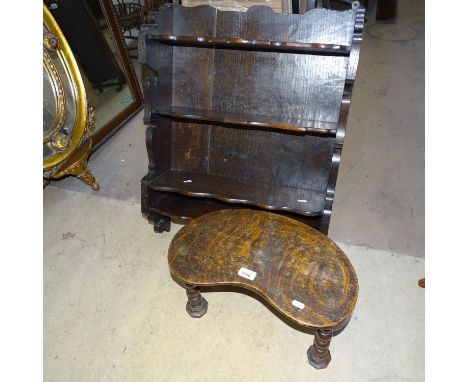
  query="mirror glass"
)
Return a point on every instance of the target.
[{"x": 87, "y": 31}]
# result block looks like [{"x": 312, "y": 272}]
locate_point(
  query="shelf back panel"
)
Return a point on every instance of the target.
[
  {"x": 252, "y": 155},
  {"x": 261, "y": 83},
  {"x": 258, "y": 23},
  {"x": 281, "y": 84}
]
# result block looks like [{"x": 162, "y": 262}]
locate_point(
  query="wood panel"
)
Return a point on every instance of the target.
[
  {"x": 251, "y": 106},
  {"x": 270, "y": 157},
  {"x": 285, "y": 85},
  {"x": 260, "y": 23}
]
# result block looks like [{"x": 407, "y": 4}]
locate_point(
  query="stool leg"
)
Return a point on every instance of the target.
[
  {"x": 318, "y": 354},
  {"x": 196, "y": 306}
]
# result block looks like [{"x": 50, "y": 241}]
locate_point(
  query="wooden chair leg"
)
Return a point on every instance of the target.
[
  {"x": 196, "y": 306},
  {"x": 318, "y": 354}
]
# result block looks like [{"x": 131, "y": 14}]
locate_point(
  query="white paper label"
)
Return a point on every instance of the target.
[
  {"x": 247, "y": 274},
  {"x": 298, "y": 304}
]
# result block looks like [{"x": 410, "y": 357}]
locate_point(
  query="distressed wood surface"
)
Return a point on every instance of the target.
[{"x": 293, "y": 263}]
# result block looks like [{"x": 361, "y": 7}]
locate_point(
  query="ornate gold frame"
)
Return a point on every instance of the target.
[
  {"x": 71, "y": 151},
  {"x": 63, "y": 50}
]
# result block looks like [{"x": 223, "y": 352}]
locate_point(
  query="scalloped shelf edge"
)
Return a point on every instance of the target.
[{"x": 233, "y": 200}]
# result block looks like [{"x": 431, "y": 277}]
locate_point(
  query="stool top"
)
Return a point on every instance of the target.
[{"x": 298, "y": 270}]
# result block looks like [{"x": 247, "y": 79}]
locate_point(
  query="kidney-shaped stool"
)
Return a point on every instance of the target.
[{"x": 298, "y": 270}]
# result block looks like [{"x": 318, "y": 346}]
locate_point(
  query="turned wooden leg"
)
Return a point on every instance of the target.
[
  {"x": 196, "y": 306},
  {"x": 318, "y": 354}
]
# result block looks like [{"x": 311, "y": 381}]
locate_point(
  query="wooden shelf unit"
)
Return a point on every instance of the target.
[{"x": 246, "y": 109}]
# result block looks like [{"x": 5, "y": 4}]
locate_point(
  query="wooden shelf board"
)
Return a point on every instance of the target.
[
  {"x": 185, "y": 208},
  {"x": 300, "y": 125},
  {"x": 257, "y": 45},
  {"x": 182, "y": 208},
  {"x": 265, "y": 196}
]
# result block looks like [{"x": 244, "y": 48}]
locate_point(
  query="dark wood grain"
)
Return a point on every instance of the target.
[
  {"x": 182, "y": 208},
  {"x": 254, "y": 121},
  {"x": 267, "y": 196},
  {"x": 258, "y": 45},
  {"x": 253, "y": 105},
  {"x": 270, "y": 157},
  {"x": 258, "y": 23},
  {"x": 277, "y": 84},
  {"x": 293, "y": 263}
]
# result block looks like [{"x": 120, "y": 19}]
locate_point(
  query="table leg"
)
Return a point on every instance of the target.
[
  {"x": 196, "y": 306},
  {"x": 318, "y": 354}
]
